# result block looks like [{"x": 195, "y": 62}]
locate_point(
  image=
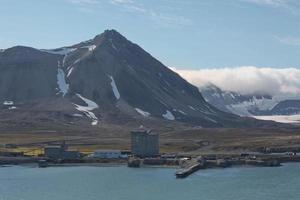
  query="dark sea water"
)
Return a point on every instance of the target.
[{"x": 122, "y": 183}]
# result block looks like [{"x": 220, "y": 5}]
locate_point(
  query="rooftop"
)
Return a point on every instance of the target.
[
  {"x": 52, "y": 147},
  {"x": 142, "y": 130},
  {"x": 107, "y": 150}
]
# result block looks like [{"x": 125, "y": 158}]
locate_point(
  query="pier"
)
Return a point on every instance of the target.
[
  {"x": 185, "y": 172},
  {"x": 190, "y": 166}
]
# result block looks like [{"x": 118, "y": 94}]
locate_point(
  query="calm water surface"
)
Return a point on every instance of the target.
[{"x": 122, "y": 183}]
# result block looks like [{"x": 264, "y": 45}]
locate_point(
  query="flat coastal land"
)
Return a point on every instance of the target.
[
  {"x": 214, "y": 143},
  {"x": 192, "y": 141}
]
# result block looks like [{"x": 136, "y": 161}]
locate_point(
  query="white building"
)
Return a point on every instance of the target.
[{"x": 107, "y": 154}]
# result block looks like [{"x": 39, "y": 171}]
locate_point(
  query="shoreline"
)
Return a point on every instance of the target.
[
  {"x": 35, "y": 165},
  {"x": 222, "y": 162},
  {"x": 180, "y": 171}
]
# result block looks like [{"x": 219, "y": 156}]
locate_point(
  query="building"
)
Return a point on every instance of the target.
[
  {"x": 60, "y": 152},
  {"x": 54, "y": 152},
  {"x": 144, "y": 143},
  {"x": 109, "y": 154}
]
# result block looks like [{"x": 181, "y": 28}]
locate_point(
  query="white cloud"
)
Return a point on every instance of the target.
[
  {"x": 169, "y": 20},
  {"x": 83, "y": 1},
  {"x": 121, "y": 1},
  {"x": 85, "y": 6},
  {"x": 291, "y": 6},
  {"x": 295, "y": 41},
  {"x": 276, "y": 3},
  {"x": 129, "y": 5},
  {"x": 247, "y": 79},
  {"x": 161, "y": 18}
]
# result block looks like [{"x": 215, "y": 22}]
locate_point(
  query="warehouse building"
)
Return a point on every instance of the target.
[
  {"x": 108, "y": 154},
  {"x": 60, "y": 152}
]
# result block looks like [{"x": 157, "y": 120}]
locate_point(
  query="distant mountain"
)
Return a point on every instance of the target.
[
  {"x": 104, "y": 80},
  {"x": 249, "y": 105},
  {"x": 287, "y": 107},
  {"x": 233, "y": 102}
]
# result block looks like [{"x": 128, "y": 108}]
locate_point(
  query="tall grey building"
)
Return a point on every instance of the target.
[{"x": 144, "y": 143}]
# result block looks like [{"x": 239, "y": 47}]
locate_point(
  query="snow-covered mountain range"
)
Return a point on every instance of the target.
[{"x": 251, "y": 105}]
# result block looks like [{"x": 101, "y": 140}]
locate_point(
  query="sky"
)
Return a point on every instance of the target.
[
  {"x": 183, "y": 34},
  {"x": 246, "y": 46}
]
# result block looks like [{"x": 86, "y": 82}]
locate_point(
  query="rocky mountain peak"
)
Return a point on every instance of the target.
[
  {"x": 112, "y": 33},
  {"x": 109, "y": 35}
]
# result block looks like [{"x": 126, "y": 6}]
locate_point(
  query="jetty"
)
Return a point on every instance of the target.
[
  {"x": 182, "y": 173},
  {"x": 190, "y": 166}
]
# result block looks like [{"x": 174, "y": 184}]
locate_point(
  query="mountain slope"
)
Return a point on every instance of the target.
[
  {"x": 27, "y": 74},
  {"x": 105, "y": 80},
  {"x": 287, "y": 107}
]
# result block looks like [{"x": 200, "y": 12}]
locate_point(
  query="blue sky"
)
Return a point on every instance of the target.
[{"x": 186, "y": 34}]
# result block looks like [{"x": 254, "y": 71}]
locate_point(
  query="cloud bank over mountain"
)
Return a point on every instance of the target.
[{"x": 247, "y": 79}]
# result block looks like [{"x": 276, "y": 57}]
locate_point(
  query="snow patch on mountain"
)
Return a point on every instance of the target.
[
  {"x": 70, "y": 71},
  {"x": 216, "y": 95},
  {"x": 210, "y": 119},
  {"x": 77, "y": 61},
  {"x": 168, "y": 115},
  {"x": 112, "y": 44},
  {"x": 180, "y": 111},
  {"x": 90, "y": 47},
  {"x": 191, "y": 107},
  {"x": 77, "y": 115},
  {"x": 61, "y": 82},
  {"x": 87, "y": 109},
  {"x": 239, "y": 109},
  {"x": 114, "y": 88},
  {"x": 142, "y": 112},
  {"x": 8, "y": 103},
  {"x": 70, "y": 68}
]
